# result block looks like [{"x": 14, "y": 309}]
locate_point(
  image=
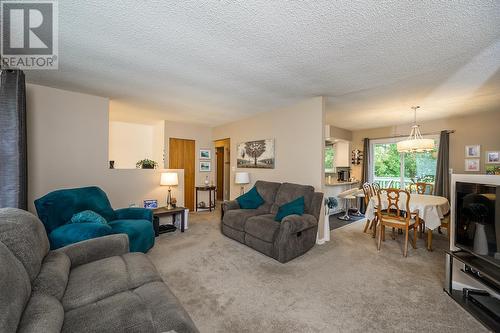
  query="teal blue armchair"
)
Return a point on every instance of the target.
[{"x": 56, "y": 209}]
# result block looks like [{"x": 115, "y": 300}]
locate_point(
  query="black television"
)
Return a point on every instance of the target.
[{"x": 477, "y": 220}]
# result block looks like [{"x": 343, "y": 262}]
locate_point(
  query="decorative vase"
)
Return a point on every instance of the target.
[
  {"x": 111, "y": 164},
  {"x": 480, "y": 240}
]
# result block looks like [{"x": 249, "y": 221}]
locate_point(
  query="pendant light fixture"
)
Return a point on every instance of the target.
[{"x": 415, "y": 143}]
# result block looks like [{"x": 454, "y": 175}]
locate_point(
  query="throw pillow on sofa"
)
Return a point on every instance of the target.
[
  {"x": 296, "y": 206},
  {"x": 250, "y": 200},
  {"x": 88, "y": 216}
]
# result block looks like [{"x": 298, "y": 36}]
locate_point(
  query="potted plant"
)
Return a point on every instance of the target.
[{"x": 146, "y": 164}]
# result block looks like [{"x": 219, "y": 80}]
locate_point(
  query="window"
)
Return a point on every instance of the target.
[
  {"x": 393, "y": 169},
  {"x": 329, "y": 157}
]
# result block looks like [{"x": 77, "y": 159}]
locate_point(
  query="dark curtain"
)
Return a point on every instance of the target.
[
  {"x": 442, "y": 184},
  {"x": 13, "y": 149},
  {"x": 366, "y": 160},
  {"x": 366, "y": 165}
]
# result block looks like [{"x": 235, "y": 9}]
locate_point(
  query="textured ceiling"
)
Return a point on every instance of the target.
[{"x": 216, "y": 61}]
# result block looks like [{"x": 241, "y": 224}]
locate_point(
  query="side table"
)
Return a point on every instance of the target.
[
  {"x": 164, "y": 211},
  {"x": 211, "y": 203}
]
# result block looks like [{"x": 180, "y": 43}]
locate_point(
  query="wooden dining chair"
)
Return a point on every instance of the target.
[
  {"x": 367, "y": 190},
  {"x": 370, "y": 191},
  {"x": 424, "y": 188},
  {"x": 445, "y": 223},
  {"x": 395, "y": 217}
]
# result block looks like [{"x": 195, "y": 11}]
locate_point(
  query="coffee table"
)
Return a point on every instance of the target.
[{"x": 164, "y": 211}]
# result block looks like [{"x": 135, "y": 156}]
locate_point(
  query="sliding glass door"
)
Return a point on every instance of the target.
[{"x": 389, "y": 168}]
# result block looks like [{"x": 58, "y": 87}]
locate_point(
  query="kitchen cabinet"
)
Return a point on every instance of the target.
[{"x": 342, "y": 154}]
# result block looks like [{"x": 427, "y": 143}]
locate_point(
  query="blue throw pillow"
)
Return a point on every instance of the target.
[
  {"x": 250, "y": 200},
  {"x": 296, "y": 206},
  {"x": 88, "y": 216}
]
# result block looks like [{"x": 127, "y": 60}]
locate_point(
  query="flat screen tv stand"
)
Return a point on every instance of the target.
[{"x": 478, "y": 303}]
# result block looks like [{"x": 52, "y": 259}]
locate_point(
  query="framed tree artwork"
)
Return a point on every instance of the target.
[{"x": 255, "y": 154}]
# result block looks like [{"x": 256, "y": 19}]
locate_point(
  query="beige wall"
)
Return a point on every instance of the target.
[
  {"x": 132, "y": 142},
  {"x": 339, "y": 133},
  {"x": 68, "y": 147},
  {"x": 298, "y": 133},
  {"x": 480, "y": 128}
]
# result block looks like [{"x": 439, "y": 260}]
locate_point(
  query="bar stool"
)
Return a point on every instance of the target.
[
  {"x": 359, "y": 195},
  {"x": 347, "y": 196}
]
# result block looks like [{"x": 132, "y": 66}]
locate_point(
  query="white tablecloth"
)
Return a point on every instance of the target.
[{"x": 431, "y": 208}]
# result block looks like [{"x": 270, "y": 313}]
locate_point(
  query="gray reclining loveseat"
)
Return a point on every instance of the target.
[
  {"x": 91, "y": 286},
  {"x": 285, "y": 240}
]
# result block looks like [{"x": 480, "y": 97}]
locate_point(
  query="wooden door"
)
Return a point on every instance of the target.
[
  {"x": 182, "y": 155},
  {"x": 220, "y": 173}
]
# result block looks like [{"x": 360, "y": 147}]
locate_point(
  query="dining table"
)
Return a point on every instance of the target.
[{"x": 430, "y": 208}]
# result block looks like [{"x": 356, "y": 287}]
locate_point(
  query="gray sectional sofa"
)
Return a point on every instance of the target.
[
  {"x": 285, "y": 240},
  {"x": 91, "y": 286}
]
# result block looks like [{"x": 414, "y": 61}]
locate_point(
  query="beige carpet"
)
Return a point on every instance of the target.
[{"x": 343, "y": 286}]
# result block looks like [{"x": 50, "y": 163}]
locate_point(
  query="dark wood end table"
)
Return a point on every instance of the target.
[
  {"x": 211, "y": 203},
  {"x": 163, "y": 211}
]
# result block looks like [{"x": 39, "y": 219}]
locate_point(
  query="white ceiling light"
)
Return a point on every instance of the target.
[{"x": 415, "y": 143}]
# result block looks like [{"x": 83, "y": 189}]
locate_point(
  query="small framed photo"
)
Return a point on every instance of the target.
[
  {"x": 151, "y": 204},
  {"x": 205, "y": 154},
  {"x": 472, "y": 165},
  {"x": 472, "y": 151},
  {"x": 493, "y": 157},
  {"x": 205, "y": 166}
]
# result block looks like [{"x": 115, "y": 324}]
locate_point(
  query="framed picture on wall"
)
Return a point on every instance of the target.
[
  {"x": 493, "y": 157},
  {"x": 205, "y": 154},
  {"x": 472, "y": 165},
  {"x": 472, "y": 151},
  {"x": 205, "y": 166},
  {"x": 255, "y": 154}
]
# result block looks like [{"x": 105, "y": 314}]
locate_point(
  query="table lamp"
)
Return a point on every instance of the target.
[
  {"x": 169, "y": 179},
  {"x": 242, "y": 178}
]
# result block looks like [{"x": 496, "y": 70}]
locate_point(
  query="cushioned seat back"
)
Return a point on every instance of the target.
[
  {"x": 23, "y": 245},
  {"x": 267, "y": 191},
  {"x": 15, "y": 288},
  {"x": 289, "y": 192},
  {"x": 24, "y": 235},
  {"x": 57, "y": 208}
]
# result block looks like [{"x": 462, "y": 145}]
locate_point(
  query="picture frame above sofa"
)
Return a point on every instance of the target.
[{"x": 257, "y": 154}]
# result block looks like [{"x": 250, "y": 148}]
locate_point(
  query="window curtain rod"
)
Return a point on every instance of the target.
[{"x": 405, "y": 136}]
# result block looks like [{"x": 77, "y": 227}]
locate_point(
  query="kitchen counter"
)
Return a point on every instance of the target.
[
  {"x": 334, "y": 188},
  {"x": 336, "y": 183}
]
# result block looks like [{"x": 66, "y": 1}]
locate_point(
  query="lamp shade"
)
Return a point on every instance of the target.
[
  {"x": 242, "y": 178},
  {"x": 169, "y": 179},
  {"x": 415, "y": 145}
]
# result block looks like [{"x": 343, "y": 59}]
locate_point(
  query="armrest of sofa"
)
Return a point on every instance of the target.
[
  {"x": 95, "y": 249},
  {"x": 296, "y": 223},
  {"x": 316, "y": 204},
  {"x": 134, "y": 214},
  {"x": 229, "y": 205}
]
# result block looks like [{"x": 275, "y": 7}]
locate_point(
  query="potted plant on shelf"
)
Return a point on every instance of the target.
[{"x": 146, "y": 164}]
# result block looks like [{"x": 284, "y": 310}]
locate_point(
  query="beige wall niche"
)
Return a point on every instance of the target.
[{"x": 68, "y": 147}]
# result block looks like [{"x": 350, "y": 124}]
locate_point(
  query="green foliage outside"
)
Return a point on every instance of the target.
[
  {"x": 418, "y": 166},
  {"x": 329, "y": 155}
]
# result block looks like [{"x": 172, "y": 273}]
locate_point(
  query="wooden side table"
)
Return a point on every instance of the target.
[
  {"x": 211, "y": 203},
  {"x": 163, "y": 211}
]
